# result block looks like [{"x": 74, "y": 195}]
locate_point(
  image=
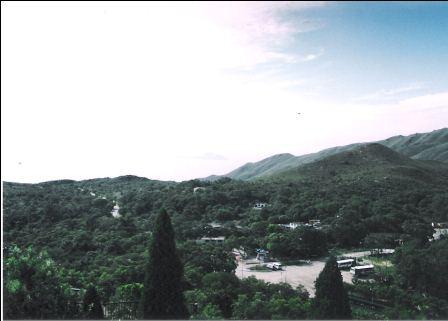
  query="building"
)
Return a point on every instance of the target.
[
  {"x": 198, "y": 189},
  {"x": 440, "y": 230},
  {"x": 439, "y": 233},
  {"x": 215, "y": 225},
  {"x": 383, "y": 252},
  {"x": 259, "y": 206},
  {"x": 440, "y": 225},
  {"x": 212, "y": 240},
  {"x": 291, "y": 225},
  {"x": 116, "y": 211},
  {"x": 262, "y": 255}
]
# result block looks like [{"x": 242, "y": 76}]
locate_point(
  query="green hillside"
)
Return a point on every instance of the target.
[
  {"x": 267, "y": 165},
  {"x": 427, "y": 146},
  {"x": 369, "y": 161},
  {"x": 358, "y": 195},
  {"x": 432, "y": 146}
]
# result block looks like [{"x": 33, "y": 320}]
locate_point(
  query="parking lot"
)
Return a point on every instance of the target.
[{"x": 295, "y": 275}]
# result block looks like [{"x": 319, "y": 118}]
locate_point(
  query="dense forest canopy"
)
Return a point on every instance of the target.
[{"x": 370, "y": 196}]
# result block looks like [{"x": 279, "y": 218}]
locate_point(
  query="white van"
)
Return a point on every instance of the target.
[{"x": 274, "y": 266}]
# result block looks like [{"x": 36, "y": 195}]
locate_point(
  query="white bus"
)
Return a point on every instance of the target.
[
  {"x": 348, "y": 263},
  {"x": 362, "y": 269}
]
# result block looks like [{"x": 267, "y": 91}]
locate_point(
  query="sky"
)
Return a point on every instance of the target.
[{"x": 177, "y": 91}]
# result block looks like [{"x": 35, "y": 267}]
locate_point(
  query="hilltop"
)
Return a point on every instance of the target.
[
  {"x": 426, "y": 146},
  {"x": 369, "y": 161}
]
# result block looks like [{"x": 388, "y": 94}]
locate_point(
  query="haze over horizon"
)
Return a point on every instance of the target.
[{"x": 177, "y": 91}]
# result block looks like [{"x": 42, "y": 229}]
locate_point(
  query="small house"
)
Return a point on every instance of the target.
[
  {"x": 262, "y": 255},
  {"x": 440, "y": 233},
  {"x": 259, "y": 206},
  {"x": 215, "y": 225},
  {"x": 198, "y": 189},
  {"x": 291, "y": 225},
  {"x": 212, "y": 240},
  {"x": 314, "y": 222}
]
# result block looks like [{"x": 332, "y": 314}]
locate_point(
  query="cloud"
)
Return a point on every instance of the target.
[
  {"x": 311, "y": 56},
  {"x": 386, "y": 94},
  {"x": 426, "y": 102},
  {"x": 259, "y": 32}
]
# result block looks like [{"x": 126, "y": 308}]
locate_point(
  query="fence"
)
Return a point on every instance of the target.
[
  {"x": 124, "y": 310},
  {"x": 371, "y": 303}
]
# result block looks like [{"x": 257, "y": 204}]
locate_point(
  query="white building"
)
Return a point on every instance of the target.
[
  {"x": 259, "y": 206},
  {"x": 291, "y": 225},
  {"x": 215, "y": 224},
  {"x": 116, "y": 211},
  {"x": 197, "y": 189},
  {"x": 213, "y": 240},
  {"x": 440, "y": 232}
]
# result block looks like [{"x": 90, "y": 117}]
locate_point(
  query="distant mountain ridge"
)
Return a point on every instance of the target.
[
  {"x": 428, "y": 146},
  {"x": 370, "y": 162},
  {"x": 424, "y": 146}
]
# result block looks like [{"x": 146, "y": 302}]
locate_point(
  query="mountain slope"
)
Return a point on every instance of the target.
[
  {"x": 263, "y": 167},
  {"x": 426, "y": 146},
  {"x": 439, "y": 153},
  {"x": 372, "y": 161},
  {"x": 416, "y": 145}
]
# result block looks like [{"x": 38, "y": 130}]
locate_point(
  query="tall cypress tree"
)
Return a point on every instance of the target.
[
  {"x": 162, "y": 296},
  {"x": 92, "y": 304},
  {"x": 331, "y": 301}
]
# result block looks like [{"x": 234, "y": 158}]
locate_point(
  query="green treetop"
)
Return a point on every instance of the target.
[
  {"x": 331, "y": 301},
  {"x": 162, "y": 296},
  {"x": 92, "y": 304}
]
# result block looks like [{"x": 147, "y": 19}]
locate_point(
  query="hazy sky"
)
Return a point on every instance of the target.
[{"x": 176, "y": 91}]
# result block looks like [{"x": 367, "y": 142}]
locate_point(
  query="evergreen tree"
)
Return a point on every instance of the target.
[
  {"x": 331, "y": 301},
  {"x": 92, "y": 304},
  {"x": 162, "y": 296}
]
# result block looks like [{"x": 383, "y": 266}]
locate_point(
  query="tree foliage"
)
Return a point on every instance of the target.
[
  {"x": 91, "y": 304},
  {"x": 162, "y": 296},
  {"x": 35, "y": 287},
  {"x": 331, "y": 301},
  {"x": 357, "y": 205},
  {"x": 424, "y": 268}
]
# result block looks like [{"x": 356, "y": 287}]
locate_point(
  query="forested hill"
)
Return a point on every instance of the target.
[
  {"x": 372, "y": 163},
  {"x": 427, "y": 146},
  {"x": 370, "y": 189}
]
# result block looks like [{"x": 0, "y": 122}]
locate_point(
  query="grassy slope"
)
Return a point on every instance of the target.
[
  {"x": 369, "y": 161},
  {"x": 427, "y": 146}
]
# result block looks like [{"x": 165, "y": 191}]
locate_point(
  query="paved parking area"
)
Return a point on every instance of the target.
[{"x": 304, "y": 274}]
